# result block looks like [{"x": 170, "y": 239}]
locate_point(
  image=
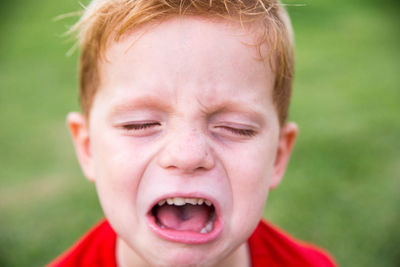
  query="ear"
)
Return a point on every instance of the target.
[
  {"x": 286, "y": 142},
  {"x": 79, "y": 128}
]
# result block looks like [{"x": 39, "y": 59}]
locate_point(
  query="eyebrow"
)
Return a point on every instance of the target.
[
  {"x": 233, "y": 106},
  {"x": 159, "y": 103},
  {"x": 142, "y": 102}
]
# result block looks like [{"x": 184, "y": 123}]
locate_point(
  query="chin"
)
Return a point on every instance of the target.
[
  {"x": 185, "y": 257},
  {"x": 159, "y": 252}
]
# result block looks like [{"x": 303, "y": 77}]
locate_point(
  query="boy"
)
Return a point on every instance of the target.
[{"x": 184, "y": 132}]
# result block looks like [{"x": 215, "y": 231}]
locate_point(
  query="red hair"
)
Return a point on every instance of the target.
[{"x": 108, "y": 20}]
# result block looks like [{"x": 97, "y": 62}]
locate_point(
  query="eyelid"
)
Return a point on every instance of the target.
[
  {"x": 238, "y": 125},
  {"x": 238, "y": 129},
  {"x": 139, "y": 128},
  {"x": 138, "y": 116},
  {"x": 121, "y": 123},
  {"x": 140, "y": 125}
]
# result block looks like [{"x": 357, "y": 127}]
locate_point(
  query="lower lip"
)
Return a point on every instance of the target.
[{"x": 186, "y": 237}]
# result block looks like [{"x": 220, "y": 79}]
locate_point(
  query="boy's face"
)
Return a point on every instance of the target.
[{"x": 184, "y": 110}]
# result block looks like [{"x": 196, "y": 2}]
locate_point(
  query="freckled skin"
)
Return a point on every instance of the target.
[{"x": 183, "y": 107}]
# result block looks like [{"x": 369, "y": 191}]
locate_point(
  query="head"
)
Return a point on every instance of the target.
[{"x": 184, "y": 127}]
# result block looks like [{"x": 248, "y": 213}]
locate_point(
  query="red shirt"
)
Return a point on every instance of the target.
[{"x": 268, "y": 247}]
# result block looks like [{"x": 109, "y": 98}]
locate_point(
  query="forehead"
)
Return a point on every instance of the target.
[{"x": 170, "y": 57}]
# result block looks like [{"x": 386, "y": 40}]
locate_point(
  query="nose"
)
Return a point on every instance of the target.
[{"x": 187, "y": 151}]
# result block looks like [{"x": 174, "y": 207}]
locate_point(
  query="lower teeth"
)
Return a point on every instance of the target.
[{"x": 207, "y": 228}]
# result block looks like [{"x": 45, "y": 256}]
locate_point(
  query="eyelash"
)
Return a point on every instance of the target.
[
  {"x": 243, "y": 132},
  {"x": 140, "y": 126}
]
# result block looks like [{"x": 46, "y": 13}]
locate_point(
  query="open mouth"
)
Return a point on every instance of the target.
[{"x": 185, "y": 219}]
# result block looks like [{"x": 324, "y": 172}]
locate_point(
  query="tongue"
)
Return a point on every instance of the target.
[{"x": 183, "y": 218}]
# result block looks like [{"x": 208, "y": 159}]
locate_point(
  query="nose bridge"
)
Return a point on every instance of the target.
[{"x": 187, "y": 149}]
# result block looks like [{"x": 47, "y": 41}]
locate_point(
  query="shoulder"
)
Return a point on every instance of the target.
[
  {"x": 270, "y": 246},
  {"x": 95, "y": 248}
]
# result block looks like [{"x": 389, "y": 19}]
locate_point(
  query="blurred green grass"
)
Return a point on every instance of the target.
[{"x": 342, "y": 188}]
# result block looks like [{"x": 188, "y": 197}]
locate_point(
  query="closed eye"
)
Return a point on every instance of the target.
[
  {"x": 238, "y": 131},
  {"x": 140, "y": 126}
]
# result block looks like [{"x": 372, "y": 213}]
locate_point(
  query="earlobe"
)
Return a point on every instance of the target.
[
  {"x": 286, "y": 142},
  {"x": 79, "y": 129}
]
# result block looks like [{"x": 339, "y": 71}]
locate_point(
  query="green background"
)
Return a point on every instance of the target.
[{"x": 342, "y": 188}]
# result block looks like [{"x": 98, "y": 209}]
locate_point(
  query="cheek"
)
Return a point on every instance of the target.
[
  {"x": 252, "y": 169},
  {"x": 113, "y": 163},
  {"x": 116, "y": 159},
  {"x": 250, "y": 178},
  {"x": 117, "y": 174},
  {"x": 251, "y": 182}
]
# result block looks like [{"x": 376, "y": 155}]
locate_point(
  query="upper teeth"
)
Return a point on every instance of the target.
[{"x": 180, "y": 201}]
